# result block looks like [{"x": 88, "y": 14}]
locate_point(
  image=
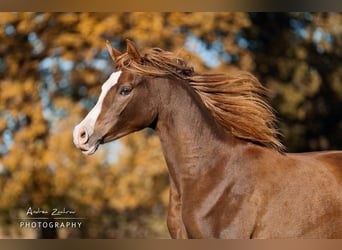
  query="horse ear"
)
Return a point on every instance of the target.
[
  {"x": 114, "y": 53},
  {"x": 133, "y": 51}
]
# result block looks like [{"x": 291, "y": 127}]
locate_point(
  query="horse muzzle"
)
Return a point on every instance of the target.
[{"x": 81, "y": 140}]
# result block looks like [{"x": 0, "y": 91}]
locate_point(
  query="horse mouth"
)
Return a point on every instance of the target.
[{"x": 91, "y": 150}]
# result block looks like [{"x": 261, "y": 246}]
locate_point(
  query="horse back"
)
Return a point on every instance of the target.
[
  {"x": 333, "y": 161},
  {"x": 333, "y": 158},
  {"x": 330, "y": 159}
]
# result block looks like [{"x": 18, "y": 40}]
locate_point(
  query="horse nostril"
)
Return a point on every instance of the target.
[{"x": 83, "y": 136}]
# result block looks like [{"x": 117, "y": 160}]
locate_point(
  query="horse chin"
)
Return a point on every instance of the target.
[{"x": 90, "y": 150}]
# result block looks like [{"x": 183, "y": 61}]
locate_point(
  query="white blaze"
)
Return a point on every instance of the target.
[{"x": 90, "y": 120}]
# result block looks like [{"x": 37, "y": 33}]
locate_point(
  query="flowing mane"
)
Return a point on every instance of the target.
[{"x": 236, "y": 100}]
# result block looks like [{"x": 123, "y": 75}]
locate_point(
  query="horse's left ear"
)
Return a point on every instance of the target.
[
  {"x": 114, "y": 53},
  {"x": 133, "y": 51}
]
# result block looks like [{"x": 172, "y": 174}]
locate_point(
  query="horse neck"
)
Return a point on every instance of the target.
[{"x": 189, "y": 134}]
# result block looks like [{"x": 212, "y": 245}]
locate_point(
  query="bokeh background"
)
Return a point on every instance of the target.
[{"x": 52, "y": 66}]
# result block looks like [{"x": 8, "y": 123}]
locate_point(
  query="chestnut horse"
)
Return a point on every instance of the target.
[{"x": 229, "y": 175}]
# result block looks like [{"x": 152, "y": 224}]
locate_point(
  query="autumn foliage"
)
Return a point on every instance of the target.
[{"x": 52, "y": 66}]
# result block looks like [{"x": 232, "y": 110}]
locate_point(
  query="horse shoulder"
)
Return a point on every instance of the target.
[{"x": 251, "y": 171}]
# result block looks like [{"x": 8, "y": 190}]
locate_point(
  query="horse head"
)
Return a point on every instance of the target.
[{"x": 123, "y": 106}]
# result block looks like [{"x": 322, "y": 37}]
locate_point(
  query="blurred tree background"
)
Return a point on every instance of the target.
[{"x": 52, "y": 66}]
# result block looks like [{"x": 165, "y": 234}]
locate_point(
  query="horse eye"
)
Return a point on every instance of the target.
[{"x": 125, "y": 91}]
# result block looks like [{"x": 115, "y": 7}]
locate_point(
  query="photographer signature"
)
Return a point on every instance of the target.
[{"x": 54, "y": 212}]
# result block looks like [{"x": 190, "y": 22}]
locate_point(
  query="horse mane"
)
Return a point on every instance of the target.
[{"x": 236, "y": 100}]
